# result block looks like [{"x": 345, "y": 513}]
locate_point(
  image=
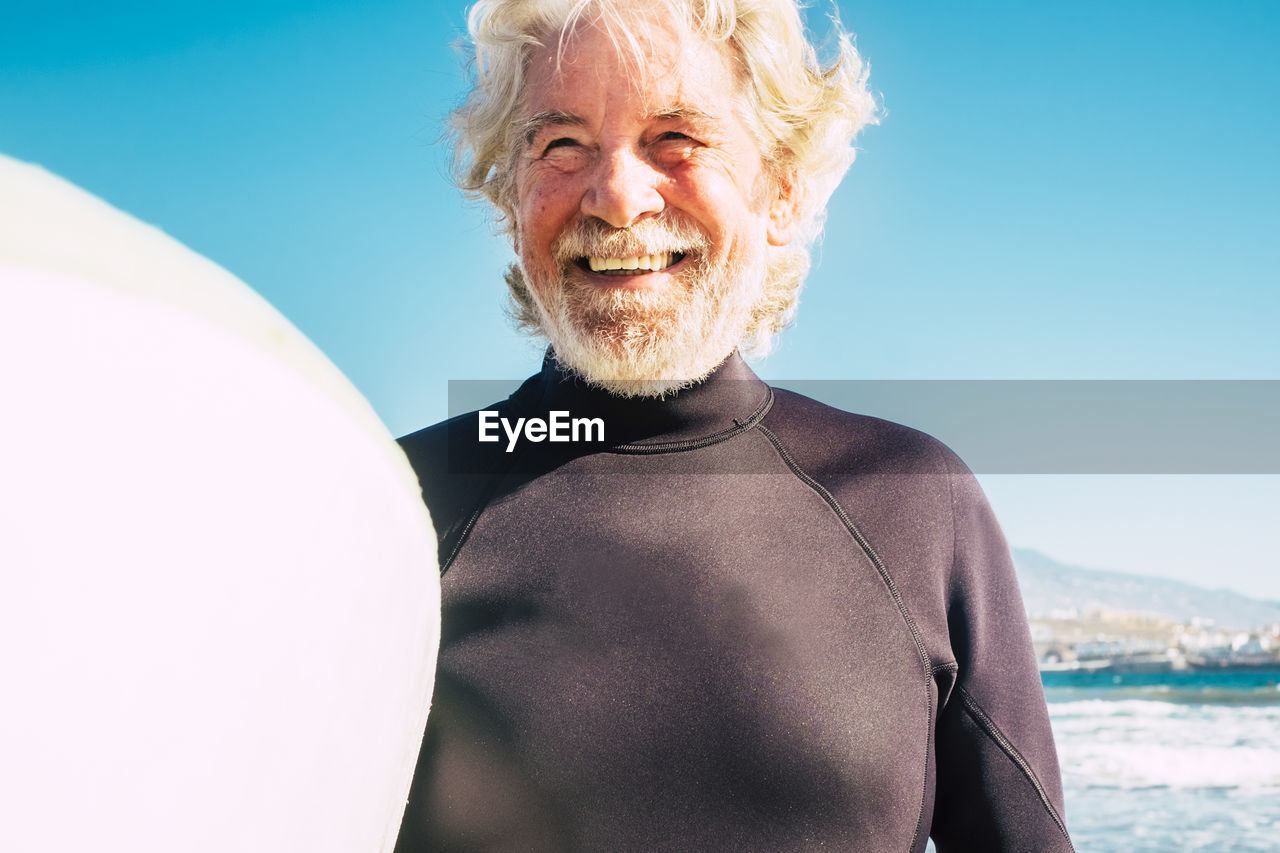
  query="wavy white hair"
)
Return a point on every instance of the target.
[{"x": 804, "y": 114}]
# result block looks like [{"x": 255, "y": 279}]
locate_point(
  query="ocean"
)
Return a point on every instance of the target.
[{"x": 1169, "y": 761}]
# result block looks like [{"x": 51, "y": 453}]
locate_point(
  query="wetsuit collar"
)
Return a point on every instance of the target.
[{"x": 731, "y": 396}]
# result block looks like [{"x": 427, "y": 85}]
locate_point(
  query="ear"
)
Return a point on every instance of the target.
[{"x": 783, "y": 210}]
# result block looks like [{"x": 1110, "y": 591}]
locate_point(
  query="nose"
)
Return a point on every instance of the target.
[{"x": 623, "y": 190}]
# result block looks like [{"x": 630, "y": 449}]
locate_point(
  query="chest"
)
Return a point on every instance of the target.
[{"x": 714, "y": 642}]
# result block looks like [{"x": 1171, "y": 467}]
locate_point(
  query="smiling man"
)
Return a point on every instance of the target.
[
  {"x": 642, "y": 209},
  {"x": 738, "y": 619}
]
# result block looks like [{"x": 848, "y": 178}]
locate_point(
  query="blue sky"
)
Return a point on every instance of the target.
[{"x": 1056, "y": 190}]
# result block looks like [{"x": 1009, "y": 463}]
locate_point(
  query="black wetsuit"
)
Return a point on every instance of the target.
[{"x": 747, "y": 621}]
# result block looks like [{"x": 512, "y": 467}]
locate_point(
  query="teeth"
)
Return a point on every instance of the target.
[{"x": 642, "y": 262}]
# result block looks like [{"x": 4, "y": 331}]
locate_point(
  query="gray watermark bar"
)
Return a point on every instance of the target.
[{"x": 1051, "y": 426}]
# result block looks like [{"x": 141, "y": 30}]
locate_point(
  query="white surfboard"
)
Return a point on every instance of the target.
[{"x": 219, "y": 600}]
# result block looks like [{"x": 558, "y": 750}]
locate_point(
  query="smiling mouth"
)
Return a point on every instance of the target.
[{"x": 638, "y": 265}]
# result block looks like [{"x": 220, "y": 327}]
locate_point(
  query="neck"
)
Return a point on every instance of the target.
[{"x": 730, "y": 395}]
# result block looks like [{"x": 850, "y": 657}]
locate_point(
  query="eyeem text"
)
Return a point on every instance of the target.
[{"x": 559, "y": 426}]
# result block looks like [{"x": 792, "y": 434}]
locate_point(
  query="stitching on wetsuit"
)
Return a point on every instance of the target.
[
  {"x": 887, "y": 580},
  {"x": 971, "y": 706},
  {"x": 462, "y": 537},
  {"x": 955, "y": 536},
  {"x": 698, "y": 443},
  {"x": 463, "y": 530},
  {"x": 989, "y": 727},
  {"x": 490, "y": 487}
]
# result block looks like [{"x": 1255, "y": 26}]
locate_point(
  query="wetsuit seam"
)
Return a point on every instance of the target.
[
  {"x": 486, "y": 494},
  {"x": 739, "y": 427},
  {"x": 992, "y": 731},
  {"x": 463, "y": 529},
  {"x": 462, "y": 537},
  {"x": 887, "y": 580},
  {"x": 955, "y": 536}
]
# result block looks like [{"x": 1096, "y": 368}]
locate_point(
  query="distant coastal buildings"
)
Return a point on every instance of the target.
[
  {"x": 1106, "y": 621},
  {"x": 1127, "y": 641}
]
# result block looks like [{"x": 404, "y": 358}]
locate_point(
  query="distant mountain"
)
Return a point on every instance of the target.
[{"x": 1049, "y": 586}]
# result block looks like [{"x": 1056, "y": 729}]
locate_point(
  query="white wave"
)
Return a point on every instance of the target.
[
  {"x": 1114, "y": 708},
  {"x": 1173, "y": 766},
  {"x": 1138, "y": 743}
]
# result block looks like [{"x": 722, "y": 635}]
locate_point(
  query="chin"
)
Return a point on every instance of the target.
[
  {"x": 650, "y": 389},
  {"x": 649, "y": 342},
  {"x": 645, "y": 368}
]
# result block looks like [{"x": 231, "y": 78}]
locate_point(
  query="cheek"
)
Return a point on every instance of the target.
[
  {"x": 724, "y": 209},
  {"x": 533, "y": 244},
  {"x": 541, "y": 216}
]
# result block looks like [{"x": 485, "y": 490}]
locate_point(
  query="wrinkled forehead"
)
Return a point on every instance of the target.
[{"x": 661, "y": 63}]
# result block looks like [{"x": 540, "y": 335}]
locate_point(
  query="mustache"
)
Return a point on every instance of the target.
[{"x": 666, "y": 232}]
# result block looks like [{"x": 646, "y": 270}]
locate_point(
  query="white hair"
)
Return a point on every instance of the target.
[{"x": 803, "y": 113}]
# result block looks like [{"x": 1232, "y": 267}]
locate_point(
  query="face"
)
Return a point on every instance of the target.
[{"x": 642, "y": 208}]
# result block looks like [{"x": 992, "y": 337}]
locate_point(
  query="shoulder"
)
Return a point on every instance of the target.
[
  {"x": 449, "y": 449},
  {"x": 428, "y": 449},
  {"x": 454, "y": 470},
  {"x": 902, "y": 489},
  {"x": 829, "y": 442},
  {"x": 428, "y": 453}
]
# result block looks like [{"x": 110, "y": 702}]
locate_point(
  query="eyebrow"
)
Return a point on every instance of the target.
[
  {"x": 554, "y": 118},
  {"x": 534, "y": 125},
  {"x": 680, "y": 112}
]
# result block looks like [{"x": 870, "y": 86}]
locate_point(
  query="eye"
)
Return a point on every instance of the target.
[
  {"x": 672, "y": 147},
  {"x": 564, "y": 153},
  {"x": 562, "y": 142}
]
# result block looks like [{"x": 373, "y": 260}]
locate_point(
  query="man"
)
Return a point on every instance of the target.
[{"x": 742, "y": 620}]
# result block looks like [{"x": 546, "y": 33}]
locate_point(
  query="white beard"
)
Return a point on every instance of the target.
[{"x": 643, "y": 343}]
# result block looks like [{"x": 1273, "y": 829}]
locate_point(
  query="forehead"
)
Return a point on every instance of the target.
[{"x": 648, "y": 67}]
